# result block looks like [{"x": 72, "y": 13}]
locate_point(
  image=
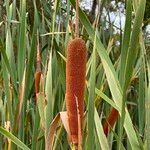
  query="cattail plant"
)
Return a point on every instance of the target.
[{"x": 75, "y": 83}]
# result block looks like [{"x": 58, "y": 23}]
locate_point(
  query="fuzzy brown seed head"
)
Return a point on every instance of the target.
[{"x": 75, "y": 83}]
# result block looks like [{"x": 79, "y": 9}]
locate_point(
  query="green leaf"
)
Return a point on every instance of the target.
[
  {"x": 148, "y": 108},
  {"x": 8, "y": 66},
  {"x": 141, "y": 98},
  {"x": 13, "y": 139},
  {"x": 134, "y": 42},
  {"x": 91, "y": 102},
  {"x": 101, "y": 136},
  {"x": 49, "y": 96},
  {"x": 126, "y": 40},
  {"x": 107, "y": 99},
  {"x": 22, "y": 41}
]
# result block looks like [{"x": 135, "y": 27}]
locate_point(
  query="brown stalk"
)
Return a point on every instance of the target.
[
  {"x": 77, "y": 19},
  {"x": 38, "y": 70}
]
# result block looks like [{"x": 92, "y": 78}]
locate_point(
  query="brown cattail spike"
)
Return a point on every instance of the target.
[
  {"x": 75, "y": 84},
  {"x": 38, "y": 71},
  {"x": 110, "y": 121}
]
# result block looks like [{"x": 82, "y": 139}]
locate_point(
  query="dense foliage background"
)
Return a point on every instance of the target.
[{"x": 33, "y": 38}]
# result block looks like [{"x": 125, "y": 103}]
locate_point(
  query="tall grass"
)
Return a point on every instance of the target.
[{"x": 119, "y": 81}]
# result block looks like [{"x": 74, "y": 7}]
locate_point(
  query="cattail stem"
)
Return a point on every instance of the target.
[
  {"x": 77, "y": 19},
  {"x": 110, "y": 121}
]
